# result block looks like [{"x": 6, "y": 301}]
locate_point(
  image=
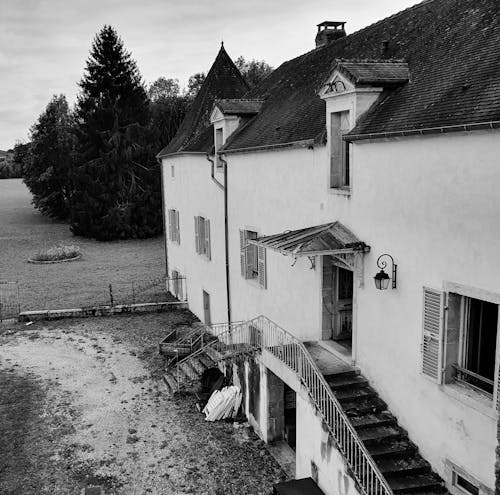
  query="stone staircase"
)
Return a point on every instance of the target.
[{"x": 398, "y": 459}]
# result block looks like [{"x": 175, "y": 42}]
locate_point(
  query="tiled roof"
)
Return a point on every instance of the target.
[
  {"x": 239, "y": 106},
  {"x": 451, "y": 47},
  {"x": 195, "y": 133},
  {"x": 373, "y": 72}
]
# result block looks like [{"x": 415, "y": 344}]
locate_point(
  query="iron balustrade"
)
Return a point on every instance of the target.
[
  {"x": 262, "y": 334},
  {"x": 478, "y": 382}
]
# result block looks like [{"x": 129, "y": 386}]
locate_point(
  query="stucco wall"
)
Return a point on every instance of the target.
[
  {"x": 433, "y": 203},
  {"x": 192, "y": 192}
]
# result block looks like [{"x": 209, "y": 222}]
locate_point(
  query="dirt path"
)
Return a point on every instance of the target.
[{"x": 84, "y": 410}]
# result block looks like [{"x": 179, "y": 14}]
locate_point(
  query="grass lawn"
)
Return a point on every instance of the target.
[{"x": 24, "y": 231}]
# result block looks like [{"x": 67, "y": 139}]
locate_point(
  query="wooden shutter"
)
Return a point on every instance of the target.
[
  {"x": 196, "y": 234},
  {"x": 207, "y": 239},
  {"x": 335, "y": 151},
  {"x": 432, "y": 334},
  {"x": 243, "y": 253},
  {"x": 175, "y": 276},
  {"x": 261, "y": 266},
  {"x": 177, "y": 227},
  {"x": 170, "y": 224}
]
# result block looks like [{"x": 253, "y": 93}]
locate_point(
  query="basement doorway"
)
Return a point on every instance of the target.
[{"x": 337, "y": 304}]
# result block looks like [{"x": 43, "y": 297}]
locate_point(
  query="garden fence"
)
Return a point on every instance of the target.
[{"x": 9, "y": 300}]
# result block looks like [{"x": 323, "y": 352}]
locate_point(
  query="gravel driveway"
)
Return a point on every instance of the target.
[{"x": 81, "y": 404}]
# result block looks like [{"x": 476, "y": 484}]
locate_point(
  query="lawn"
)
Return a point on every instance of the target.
[{"x": 24, "y": 231}]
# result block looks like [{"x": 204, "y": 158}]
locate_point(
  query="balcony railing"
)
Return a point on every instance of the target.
[
  {"x": 264, "y": 335},
  {"x": 474, "y": 380}
]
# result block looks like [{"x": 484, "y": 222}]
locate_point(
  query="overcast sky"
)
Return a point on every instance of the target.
[{"x": 44, "y": 43}]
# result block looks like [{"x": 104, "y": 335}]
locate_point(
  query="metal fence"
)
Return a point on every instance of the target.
[
  {"x": 263, "y": 334},
  {"x": 9, "y": 300}
]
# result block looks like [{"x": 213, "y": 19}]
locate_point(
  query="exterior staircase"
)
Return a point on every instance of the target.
[{"x": 397, "y": 458}]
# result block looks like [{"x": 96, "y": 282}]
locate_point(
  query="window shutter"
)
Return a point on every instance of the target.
[
  {"x": 207, "y": 239},
  {"x": 261, "y": 266},
  {"x": 335, "y": 150},
  {"x": 432, "y": 335},
  {"x": 196, "y": 234},
  {"x": 177, "y": 228},
  {"x": 243, "y": 253}
]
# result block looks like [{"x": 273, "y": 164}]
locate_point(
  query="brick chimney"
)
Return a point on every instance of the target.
[{"x": 328, "y": 32}]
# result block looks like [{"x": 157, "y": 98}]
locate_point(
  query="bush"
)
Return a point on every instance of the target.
[{"x": 57, "y": 253}]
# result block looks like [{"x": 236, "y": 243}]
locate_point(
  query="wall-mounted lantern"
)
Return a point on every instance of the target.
[{"x": 382, "y": 278}]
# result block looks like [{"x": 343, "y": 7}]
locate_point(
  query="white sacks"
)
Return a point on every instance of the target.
[{"x": 223, "y": 404}]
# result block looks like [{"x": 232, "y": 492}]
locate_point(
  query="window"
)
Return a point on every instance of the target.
[
  {"x": 219, "y": 141},
  {"x": 177, "y": 284},
  {"x": 253, "y": 258},
  {"x": 173, "y": 226},
  {"x": 477, "y": 349},
  {"x": 339, "y": 150},
  {"x": 460, "y": 340},
  {"x": 202, "y": 236}
]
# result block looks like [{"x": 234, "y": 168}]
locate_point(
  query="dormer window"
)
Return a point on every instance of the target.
[
  {"x": 219, "y": 141},
  {"x": 339, "y": 150}
]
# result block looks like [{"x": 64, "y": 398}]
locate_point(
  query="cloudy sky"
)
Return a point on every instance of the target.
[{"x": 44, "y": 43}]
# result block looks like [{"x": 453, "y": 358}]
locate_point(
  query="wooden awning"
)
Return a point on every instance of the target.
[{"x": 329, "y": 238}]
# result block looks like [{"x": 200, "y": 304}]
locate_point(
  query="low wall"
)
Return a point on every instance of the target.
[{"x": 56, "y": 314}]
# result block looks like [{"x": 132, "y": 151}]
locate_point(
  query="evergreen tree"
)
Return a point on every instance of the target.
[
  {"x": 48, "y": 158},
  {"x": 116, "y": 180}
]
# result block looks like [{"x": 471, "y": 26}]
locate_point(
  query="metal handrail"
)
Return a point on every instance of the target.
[
  {"x": 294, "y": 354},
  {"x": 262, "y": 333}
]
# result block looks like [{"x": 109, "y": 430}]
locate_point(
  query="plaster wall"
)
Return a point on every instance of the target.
[
  {"x": 192, "y": 192},
  {"x": 432, "y": 202},
  {"x": 313, "y": 444}
]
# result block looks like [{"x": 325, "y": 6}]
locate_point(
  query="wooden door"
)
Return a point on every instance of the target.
[{"x": 343, "y": 304}]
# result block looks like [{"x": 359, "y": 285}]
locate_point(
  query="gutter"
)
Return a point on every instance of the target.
[
  {"x": 179, "y": 153},
  {"x": 213, "y": 171},
  {"x": 305, "y": 143},
  {"x": 226, "y": 240},
  {"x": 422, "y": 132}
]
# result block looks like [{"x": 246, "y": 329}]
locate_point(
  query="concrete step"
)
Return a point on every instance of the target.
[
  {"x": 349, "y": 380},
  {"x": 403, "y": 465},
  {"x": 380, "y": 434},
  {"x": 354, "y": 394},
  {"x": 170, "y": 383},
  {"x": 365, "y": 405},
  {"x": 370, "y": 420},
  {"x": 197, "y": 364},
  {"x": 416, "y": 483},
  {"x": 394, "y": 449},
  {"x": 213, "y": 354},
  {"x": 206, "y": 361}
]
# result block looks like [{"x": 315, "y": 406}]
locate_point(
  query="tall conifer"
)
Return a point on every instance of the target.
[{"x": 116, "y": 181}]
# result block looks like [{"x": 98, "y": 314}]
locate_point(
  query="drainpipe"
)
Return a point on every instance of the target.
[
  {"x": 163, "y": 217},
  {"x": 213, "y": 172},
  {"x": 226, "y": 239}
]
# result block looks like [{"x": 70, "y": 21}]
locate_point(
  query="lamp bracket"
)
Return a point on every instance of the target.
[{"x": 382, "y": 264}]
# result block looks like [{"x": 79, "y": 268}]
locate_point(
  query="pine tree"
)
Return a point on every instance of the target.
[
  {"x": 116, "y": 181},
  {"x": 47, "y": 160}
]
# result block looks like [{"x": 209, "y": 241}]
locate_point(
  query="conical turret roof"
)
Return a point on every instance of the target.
[{"x": 195, "y": 134}]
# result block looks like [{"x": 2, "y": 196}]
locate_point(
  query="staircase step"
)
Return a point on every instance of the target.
[
  {"x": 342, "y": 375},
  {"x": 213, "y": 354},
  {"x": 196, "y": 363},
  {"x": 403, "y": 465},
  {"x": 353, "y": 394},
  {"x": 416, "y": 483},
  {"x": 170, "y": 383},
  {"x": 189, "y": 370},
  {"x": 364, "y": 405},
  {"x": 342, "y": 381},
  {"x": 207, "y": 362},
  {"x": 396, "y": 448},
  {"x": 380, "y": 434},
  {"x": 370, "y": 420}
]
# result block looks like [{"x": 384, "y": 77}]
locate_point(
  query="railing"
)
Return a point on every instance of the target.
[
  {"x": 9, "y": 300},
  {"x": 478, "y": 382},
  {"x": 263, "y": 334}
]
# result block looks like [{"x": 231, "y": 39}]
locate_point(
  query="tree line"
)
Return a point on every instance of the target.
[{"x": 95, "y": 165}]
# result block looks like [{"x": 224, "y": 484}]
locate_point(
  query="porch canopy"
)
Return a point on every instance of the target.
[{"x": 329, "y": 238}]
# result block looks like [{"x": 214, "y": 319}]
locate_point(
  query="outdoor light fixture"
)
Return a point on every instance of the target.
[{"x": 381, "y": 278}]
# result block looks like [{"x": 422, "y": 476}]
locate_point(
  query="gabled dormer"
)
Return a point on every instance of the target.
[
  {"x": 350, "y": 90},
  {"x": 227, "y": 115}
]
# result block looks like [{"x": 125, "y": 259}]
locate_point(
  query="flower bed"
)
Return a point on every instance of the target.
[{"x": 56, "y": 254}]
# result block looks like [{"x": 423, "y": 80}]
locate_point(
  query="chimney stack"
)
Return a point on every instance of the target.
[{"x": 328, "y": 32}]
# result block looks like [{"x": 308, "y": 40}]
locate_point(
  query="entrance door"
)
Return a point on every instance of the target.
[
  {"x": 342, "y": 311},
  {"x": 206, "y": 308}
]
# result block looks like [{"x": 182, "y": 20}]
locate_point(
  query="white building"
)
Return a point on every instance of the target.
[{"x": 385, "y": 141}]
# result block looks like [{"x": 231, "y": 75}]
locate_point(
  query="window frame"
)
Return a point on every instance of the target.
[
  {"x": 463, "y": 292},
  {"x": 259, "y": 267},
  {"x": 174, "y": 231},
  {"x": 340, "y": 152},
  {"x": 203, "y": 241}
]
